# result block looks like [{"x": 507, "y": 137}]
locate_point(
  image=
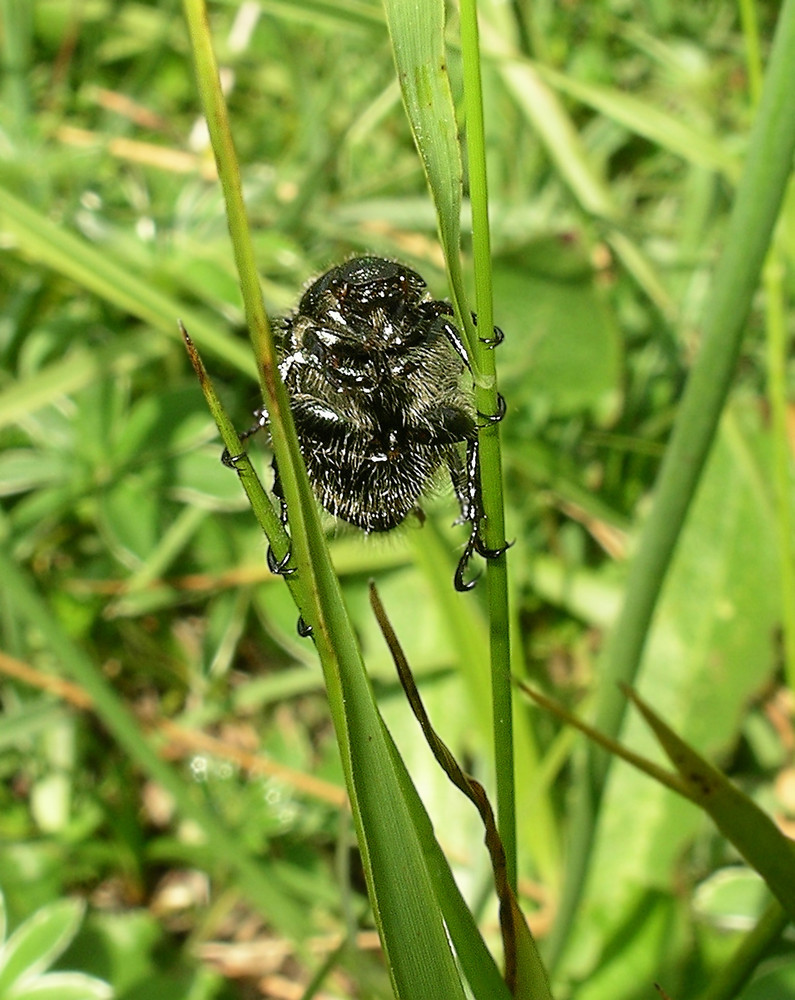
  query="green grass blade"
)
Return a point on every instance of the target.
[
  {"x": 734, "y": 974},
  {"x": 739, "y": 818},
  {"x": 544, "y": 111},
  {"x": 759, "y": 197},
  {"x": 261, "y": 506},
  {"x": 399, "y": 881},
  {"x": 477, "y": 962},
  {"x": 255, "y": 880},
  {"x": 17, "y": 19},
  {"x": 486, "y": 401},
  {"x": 421, "y": 63},
  {"x": 420, "y": 58},
  {"x": 645, "y": 119},
  {"x": 70, "y": 255},
  {"x": 777, "y": 390},
  {"x": 524, "y": 972}
]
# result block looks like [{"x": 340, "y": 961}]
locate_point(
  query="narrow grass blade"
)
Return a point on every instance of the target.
[
  {"x": 253, "y": 878},
  {"x": 643, "y": 118},
  {"x": 421, "y": 63},
  {"x": 545, "y": 112},
  {"x": 487, "y": 401},
  {"x": 736, "y": 972},
  {"x": 738, "y": 818},
  {"x": 512, "y": 922},
  {"x": 613, "y": 747},
  {"x": 759, "y": 197},
  {"x": 416, "y": 945},
  {"x": 75, "y": 258},
  {"x": 260, "y": 505}
]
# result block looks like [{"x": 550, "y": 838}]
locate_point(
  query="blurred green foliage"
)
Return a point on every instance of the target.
[{"x": 141, "y": 545}]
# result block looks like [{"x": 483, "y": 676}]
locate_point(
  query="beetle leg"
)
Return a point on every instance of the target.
[
  {"x": 494, "y": 418},
  {"x": 279, "y": 566},
  {"x": 261, "y": 416},
  {"x": 466, "y": 483}
]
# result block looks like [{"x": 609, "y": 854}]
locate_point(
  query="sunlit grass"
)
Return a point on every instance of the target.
[{"x": 617, "y": 178}]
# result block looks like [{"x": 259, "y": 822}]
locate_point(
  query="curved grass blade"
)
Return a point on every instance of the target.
[
  {"x": 412, "y": 931},
  {"x": 525, "y": 975},
  {"x": 646, "y": 119},
  {"x": 738, "y": 818},
  {"x": 759, "y": 196}
]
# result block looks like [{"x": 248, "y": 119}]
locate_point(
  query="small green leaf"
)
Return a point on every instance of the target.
[
  {"x": 35, "y": 945},
  {"x": 64, "y": 986},
  {"x": 777, "y": 983},
  {"x": 23, "y": 469},
  {"x": 731, "y": 898},
  {"x": 565, "y": 350}
]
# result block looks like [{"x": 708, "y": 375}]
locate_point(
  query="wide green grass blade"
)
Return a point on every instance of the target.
[
  {"x": 739, "y": 818},
  {"x": 759, "y": 197},
  {"x": 703, "y": 665},
  {"x": 399, "y": 880},
  {"x": 645, "y": 119},
  {"x": 421, "y": 63},
  {"x": 481, "y": 972}
]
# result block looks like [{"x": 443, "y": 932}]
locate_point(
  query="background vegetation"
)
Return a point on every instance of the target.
[{"x": 614, "y": 151}]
